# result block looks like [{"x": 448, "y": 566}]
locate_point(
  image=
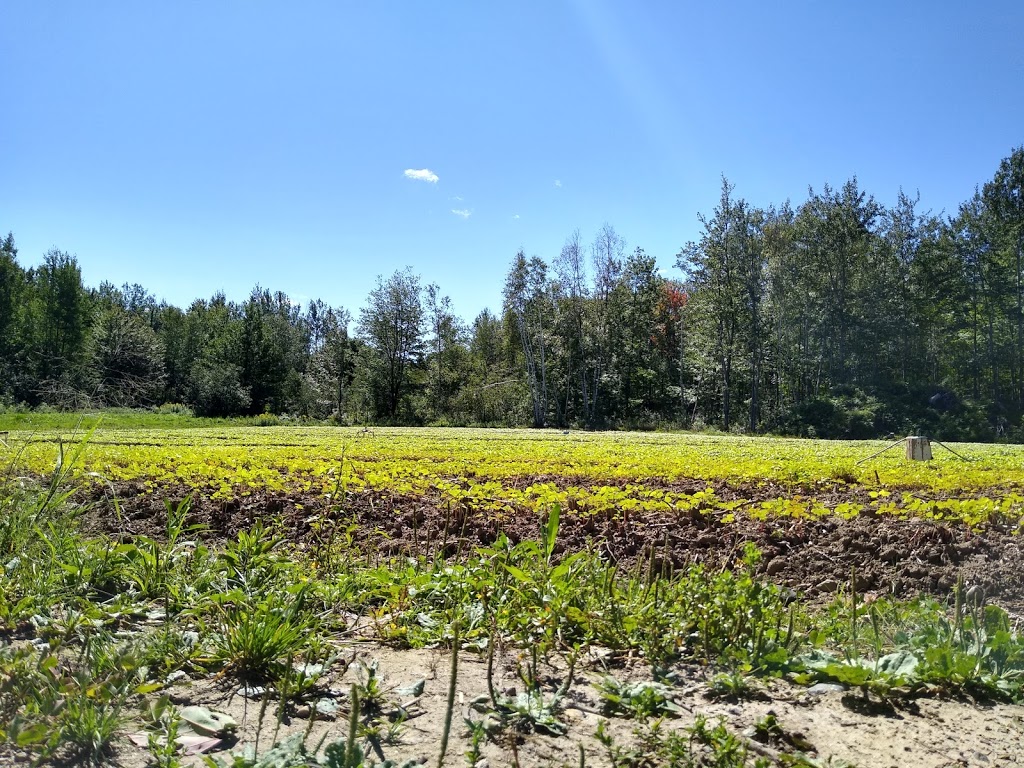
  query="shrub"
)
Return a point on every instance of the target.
[{"x": 177, "y": 409}]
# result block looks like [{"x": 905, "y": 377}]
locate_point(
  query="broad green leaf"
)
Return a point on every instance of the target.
[{"x": 207, "y": 721}]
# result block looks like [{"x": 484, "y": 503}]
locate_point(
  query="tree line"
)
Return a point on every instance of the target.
[{"x": 835, "y": 317}]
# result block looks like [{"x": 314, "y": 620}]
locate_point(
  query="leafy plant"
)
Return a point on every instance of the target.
[
  {"x": 88, "y": 726},
  {"x": 153, "y": 566},
  {"x": 525, "y": 712},
  {"x": 254, "y": 641},
  {"x": 701, "y": 746},
  {"x": 72, "y": 711},
  {"x": 891, "y": 648},
  {"x": 294, "y": 752},
  {"x": 638, "y": 700},
  {"x": 252, "y": 561},
  {"x": 731, "y": 686},
  {"x": 371, "y": 688}
]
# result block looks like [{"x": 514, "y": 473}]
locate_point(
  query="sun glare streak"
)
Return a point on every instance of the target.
[{"x": 641, "y": 87}]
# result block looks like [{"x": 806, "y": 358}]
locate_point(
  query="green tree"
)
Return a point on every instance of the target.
[
  {"x": 12, "y": 295},
  {"x": 61, "y": 317},
  {"x": 607, "y": 260},
  {"x": 1003, "y": 200},
  {"x": 989, "y": 285},
  {"x": 126, "y": 359},
  {"x": 332, "y": 358},
  {"x": 447, "y": 351},
  {"x": 528, "y": 303},
  {"x": 273, "y": 345},
  {"x": 391, "y": 326},
  {"x": 715, "y": 267},
  {"x": 208, "y": 347},
  {"x": 493, "y": 393},
  {"x": 836, "y": 232},
  {"x": 639, "y": 367}
]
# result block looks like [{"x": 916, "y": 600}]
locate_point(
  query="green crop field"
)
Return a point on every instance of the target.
[
  {"x": 618, "y": 599},
  {"x": 587, "y": 472}
]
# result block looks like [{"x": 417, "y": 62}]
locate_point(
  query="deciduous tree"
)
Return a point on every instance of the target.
[{"x": 391, "y": 325}]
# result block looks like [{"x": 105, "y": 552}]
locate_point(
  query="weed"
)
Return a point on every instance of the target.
[
  {"x": 150, "y": 564},
  {"x": 638, "y": 700},
  {"x": 891, "y": 648},
  {"x": 719, "y": 747},
  {"x": 700, "y": 746},
  {"x": 477, "y": 737},
  {"x": 76, "y": 711},
  {"x": 251, "y": 561},
  {"x": 371, "y": 688},
  {"x": 170, "y": 648},
  {"x": 293, "y": 752},
  {"x": 163, "y": 721},
  {"x": 87, "y": 727},
  {"x": 253, "y": 641},
  {"x": 731, "y": 686}
]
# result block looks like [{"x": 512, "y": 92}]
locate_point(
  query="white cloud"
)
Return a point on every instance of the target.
[
  {"x": 457, "y": 199},
  {"x": 421, "y": 174},
  {"x": 558, "y": 182},
  {"x": 464, "y": 213},
  {"x": 515, "y": 215}
]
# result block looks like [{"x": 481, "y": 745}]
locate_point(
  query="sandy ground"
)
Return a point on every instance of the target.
[{"x": 833, "y": 725}]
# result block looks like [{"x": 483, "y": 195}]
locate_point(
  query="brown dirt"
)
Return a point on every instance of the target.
[{"x": 813, "y": 557}]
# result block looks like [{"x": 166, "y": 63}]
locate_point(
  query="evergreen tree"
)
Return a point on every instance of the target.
[{"x": 12, "y": 341}]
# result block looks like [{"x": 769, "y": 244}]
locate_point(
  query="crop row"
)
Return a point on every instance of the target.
[{"x": 587, "y": 473}]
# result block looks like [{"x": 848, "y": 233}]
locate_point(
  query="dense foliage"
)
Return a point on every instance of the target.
[{"x": 837, "y": 318}]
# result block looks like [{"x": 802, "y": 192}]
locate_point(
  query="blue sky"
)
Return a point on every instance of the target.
[{"x": 205, "y": 146}]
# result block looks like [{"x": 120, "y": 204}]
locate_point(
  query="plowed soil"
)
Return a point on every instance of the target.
[{"x": 814, "y": 558}]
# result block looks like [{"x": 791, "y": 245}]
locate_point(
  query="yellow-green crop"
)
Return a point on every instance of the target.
[{"x": 586, "y": 472}]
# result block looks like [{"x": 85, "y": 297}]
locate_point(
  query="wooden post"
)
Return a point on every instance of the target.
[{"x": 919, "y": 449}]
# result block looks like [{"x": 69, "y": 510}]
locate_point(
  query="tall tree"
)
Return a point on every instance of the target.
[
  {"x": 714, "y": 265},
  {"x": 788, "y": 314},
  {"x": 578, "y": 383},
  {"x": 62, "y": 320},
  {"x": 670, "y": 341},
  {"x": 445, "y": 346},
  {"x": 12, "y": 294},
  {"x": 836, "y": 231},
  {"x": 331, "y": 357},
  {"x": 126, "y": 359},
  {"x": 528, "y": 303},
  {"x": 1003, "y": 198},
  {"x": 640, "y": 368},
  {"x": 989, "y": 283},
  {"x": 274, "y": 345},
  {"x": 211, "y": 350},
  {"x": 391, "y": 326},
  {"x": 607, "y": 260},
  {"x": 493, "y": 393}
]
